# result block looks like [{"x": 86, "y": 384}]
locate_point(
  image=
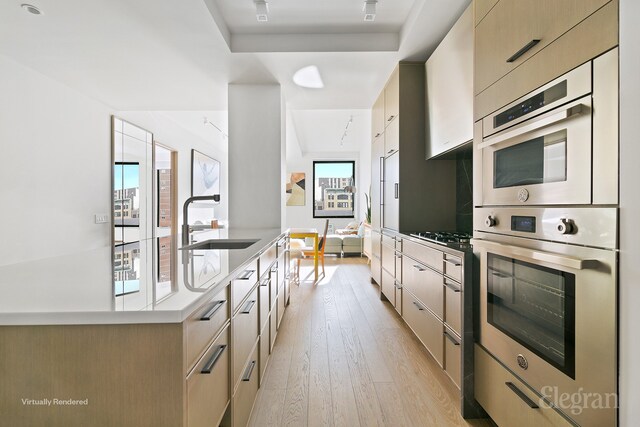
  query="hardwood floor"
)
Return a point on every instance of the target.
[{"x": 343, "y": 357}]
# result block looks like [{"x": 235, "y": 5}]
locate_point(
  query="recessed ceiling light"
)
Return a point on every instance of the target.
[
  {"x": 369, "y": 9},
  {"x": 308, "y": 77},
  {"x": 262, "y": 10},
  {"x": 31, "y": 9}
]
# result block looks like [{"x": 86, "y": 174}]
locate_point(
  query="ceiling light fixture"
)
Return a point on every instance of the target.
[
  {"x": 308, "y": 77},
  {"x": 369, "y": 9},
  {"x": 31, "y": 9},
  {"x": 346, "y": 129},
  {"x": 262, "y": 10}
]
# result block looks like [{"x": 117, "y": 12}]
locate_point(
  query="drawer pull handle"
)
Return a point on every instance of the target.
[
  {"x": 524, "y": 50},
  {"x": 274, "y": 269},
  {"x": 498, "y": 274},
  {"x": 450, "y": 338},
  {"x": 216, "y": 306},
  {"x": 265, "y": 282},
  {"x": 521, "y": 395},
  {"x": 214, "y": 359},
  {"x": 453, "y": 262},
  {"x": 390, "y": 118},
  {"x": 451, "y": 286},
  {"x": 421, "y": 308},
  {"x": 245, "y": 275},
  {"x": 419, "y": 268},
  {"x": 397, "y": 189},
  {"x": 398, "y": 285},
  {"x": 248, "y": 307},
  {"x": 249, "y": 371}
]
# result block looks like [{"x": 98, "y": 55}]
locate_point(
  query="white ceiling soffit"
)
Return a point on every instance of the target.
[
  {"x": 317, "y": 26},
  {"x": 320, "y": 131}
]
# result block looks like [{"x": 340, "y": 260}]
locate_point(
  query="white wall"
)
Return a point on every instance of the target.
[
  {"x": 181, "y": 139},
  {"x": 255, "y": 156},
  {"x": 302, "y": 216},
  {"x": 629, "y": 296},
  {"x": 55, "y": 146}
]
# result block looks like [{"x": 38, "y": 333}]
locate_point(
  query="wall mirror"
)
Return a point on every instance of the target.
[{"x": 144, "y": 220}]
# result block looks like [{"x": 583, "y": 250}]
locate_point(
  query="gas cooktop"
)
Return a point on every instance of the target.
[{"x": 444, "y": 237}]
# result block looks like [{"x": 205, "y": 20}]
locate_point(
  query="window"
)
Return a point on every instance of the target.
[{"x": 330, "y": 182}]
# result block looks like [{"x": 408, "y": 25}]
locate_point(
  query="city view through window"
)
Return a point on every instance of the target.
[{"x": 330, "y": 198}]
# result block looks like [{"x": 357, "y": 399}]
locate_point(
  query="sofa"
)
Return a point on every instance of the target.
[{"x": 346, "y": 241}]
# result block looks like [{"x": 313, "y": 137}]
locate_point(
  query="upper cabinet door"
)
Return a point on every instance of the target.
[
  {"x": 449, "y": 73},
  {"x": 377, "y": 117},
  {"x": 392, "y": 138},
  {"x": 515, "y": 30},
  {"x": 392, "y": 97}
]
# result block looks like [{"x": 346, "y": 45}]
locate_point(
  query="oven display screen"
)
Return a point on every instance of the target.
[
  {"x": 526, "y": 224},
  {"x": 537, "y": 101}
]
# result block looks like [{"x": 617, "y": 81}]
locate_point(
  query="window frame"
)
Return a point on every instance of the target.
[{"x": 353, "y": 183}]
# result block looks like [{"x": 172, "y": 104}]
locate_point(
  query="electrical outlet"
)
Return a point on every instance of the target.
[{"x": 101, "y": 218}]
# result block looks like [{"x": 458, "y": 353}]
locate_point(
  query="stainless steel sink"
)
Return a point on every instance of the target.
[{"x": 213, "y": 244}]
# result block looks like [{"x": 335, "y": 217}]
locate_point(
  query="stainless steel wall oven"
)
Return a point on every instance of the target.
[{"x": 545, "y": 236}]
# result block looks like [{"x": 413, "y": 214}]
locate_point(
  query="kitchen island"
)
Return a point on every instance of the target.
[{"x": 182, "y": 345}]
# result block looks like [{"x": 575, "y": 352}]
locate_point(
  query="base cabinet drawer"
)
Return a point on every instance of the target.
[
  {"x": 452, "y": 356},
  {"x": 425, "y": 255},
  {"x": 387, "y": 286},
  {"x": 245, "y": 395},
  {"x": 388, "y": 257},
  {"x": 243, "y": 283},
  {"x": 205, "y": 323},
  {"x": 273, "y": 325},
  {"x": 425, "y": 283},
  {"x": 208, "y": 388},
  {"x": 427, "y": 327},
  {"x": 263, "y": 299},
  {"x": 507, "y": 400},
  {"x": 398, "y": 292},
  {"x": 452, "y": 304},
  {"x": 265, "y": 348},
  {"x": 376, "y": 267},
  {"x": 280, "y": 309},
  {"x": 245, "y": 333}
]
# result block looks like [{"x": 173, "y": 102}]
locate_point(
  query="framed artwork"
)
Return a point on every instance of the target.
[
  {"x": 205, "y": 175},
  {"x": 295, "y": 191},
  {"x": 126, "y": 194}
]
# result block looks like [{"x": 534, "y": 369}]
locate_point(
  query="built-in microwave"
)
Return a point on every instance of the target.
[{"x": 557, "y": 145}]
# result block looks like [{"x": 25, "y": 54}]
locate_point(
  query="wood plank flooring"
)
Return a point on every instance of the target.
[{"x": 343, "y": 357}]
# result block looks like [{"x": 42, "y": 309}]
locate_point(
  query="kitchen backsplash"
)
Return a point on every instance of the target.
[{"x": 464, "y": 191}]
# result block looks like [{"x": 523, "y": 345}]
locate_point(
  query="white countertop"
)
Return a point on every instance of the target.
[{"x": 79, "y": 288}]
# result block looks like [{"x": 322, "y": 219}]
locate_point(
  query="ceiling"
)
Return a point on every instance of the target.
[{"x": 170, "y": 56}]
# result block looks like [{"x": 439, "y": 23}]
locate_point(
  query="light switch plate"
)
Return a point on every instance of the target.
[{"x": 101, "y": 218}]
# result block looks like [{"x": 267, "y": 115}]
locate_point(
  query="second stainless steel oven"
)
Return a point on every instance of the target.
[
  {"x": 548, "y": 300},
  {"x": 556, "y": 145}
]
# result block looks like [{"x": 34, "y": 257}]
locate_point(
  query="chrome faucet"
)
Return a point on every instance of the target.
[{"x": 185, "y": 214}]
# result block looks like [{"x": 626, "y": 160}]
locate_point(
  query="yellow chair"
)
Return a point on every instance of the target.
[{"x": 308, "y": 251}]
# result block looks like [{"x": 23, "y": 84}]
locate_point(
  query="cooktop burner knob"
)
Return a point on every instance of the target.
[
  {"x": 490, "y": 221},
  {"x": 566, "y": 226}
]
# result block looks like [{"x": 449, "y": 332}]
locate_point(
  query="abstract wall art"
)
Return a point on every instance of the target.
[
  {"x": 205, "y": 175},
  {"x": 295, "y": 191}
]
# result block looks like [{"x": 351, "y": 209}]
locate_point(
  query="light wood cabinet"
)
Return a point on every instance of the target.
[
  {"x": 392, "y": 97},
  {"x": 377, "y": 117},
  {"x": 425, "y": 284},
  {"x": 427, "y": 327},
  {"x": 392, "y": 137},
  {"x": 265, "y": 348},
  {"x": 366, "y": 241},
  {"x": 510, "y": 63},
  {"x": 245, "y": 333},
  {"x": 387, "y": 287},
  {"x": 208, "y": 385},
  {"x": 243, "y": 284},
  {"x": 245, "y": 395},
  {"x": 506, "y": 399},
  {"x": 377, "y": 160},
  {"x": 449, "y": 74},
  {"x": 376, "y": 252},
  {"x": 453, "y": 356},
  {"x": 481, "y": 8},
  {"x": 204, "y": 325}
]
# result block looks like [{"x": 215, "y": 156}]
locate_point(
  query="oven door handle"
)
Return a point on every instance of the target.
[
  {"x": 529, "y": 126},
  {"x": 535, "y": 255}
]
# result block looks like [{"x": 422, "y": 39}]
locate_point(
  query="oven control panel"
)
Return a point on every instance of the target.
[{"x": 580, "y": 226}]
